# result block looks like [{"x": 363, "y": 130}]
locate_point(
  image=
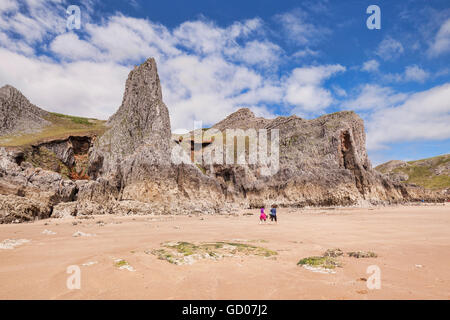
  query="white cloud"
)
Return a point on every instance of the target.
[
  {"x": 68, "y": 46},
  {"x": 123, "y": 39},
  {"x": 263, "y": 53},
  {"x": 88, "y": 89},
  {"x": 412, "y": 73},
  {"x": 372, "y": 97},
  {"x": 16, "y": 45},
  {"x": 304, "y": 91},
  {"x": 339, "y": 91},
  {"x": 371, "y": 66},
  {"x": 205, "y": 89},
  {"x": 297, "y": 28},
  {"x": 389, "y": 49},
  {"x": 441, "y": 43},
  {"x": 305, "y": 53},
  {"x": 423, "y": 115},
  {"x": 415, "y": 73},
  {"x": 8, "y": 6},
  {"x": 205, "y": 38},
  {"x": 42, "y": 20}
]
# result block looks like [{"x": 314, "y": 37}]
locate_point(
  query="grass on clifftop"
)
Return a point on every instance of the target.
[
  {"x": 61, "y": 127},
  {"x": 422, "y": 172}
]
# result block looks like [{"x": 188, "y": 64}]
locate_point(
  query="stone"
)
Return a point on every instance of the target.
[
  {"x": 65, "y": 210},
  {"x": 17, "y": 114},
  {"x": 82, "y": 234},
  {"x": 14, "y": 208}
]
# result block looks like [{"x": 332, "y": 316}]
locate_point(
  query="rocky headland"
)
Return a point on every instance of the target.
[{"x": 129, "y": 166}]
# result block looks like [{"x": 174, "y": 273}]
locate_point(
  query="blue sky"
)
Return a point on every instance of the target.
[{"x": 276, "y": 57}]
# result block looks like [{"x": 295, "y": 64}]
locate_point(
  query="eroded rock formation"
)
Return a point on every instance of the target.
[{"x": 136, "y": 167}]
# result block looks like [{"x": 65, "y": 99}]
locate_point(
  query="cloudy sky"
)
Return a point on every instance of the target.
[{"x": 276, "y": 57}]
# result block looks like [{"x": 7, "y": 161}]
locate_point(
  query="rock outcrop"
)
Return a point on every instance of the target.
[
  {"x": 17, "y": 114},
  {"x": 141, "y": 123},
  {"x": 28, "y": 192},
  {"x": 322, "y": 162},
  {"x": 136, "y": 167},
  {"x": 242, "y": 119},
  {"x": 134, "y": 155}
]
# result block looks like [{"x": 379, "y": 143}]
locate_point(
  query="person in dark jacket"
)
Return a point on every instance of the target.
[{"x": 273, "y": 214}]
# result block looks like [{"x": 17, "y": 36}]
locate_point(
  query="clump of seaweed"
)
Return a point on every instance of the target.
[
  {"x": 362, "y": 254},
  {"x": 334, "y": 253}
]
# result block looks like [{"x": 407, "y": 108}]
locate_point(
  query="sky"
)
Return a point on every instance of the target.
[{"x": 284, "y": 57}]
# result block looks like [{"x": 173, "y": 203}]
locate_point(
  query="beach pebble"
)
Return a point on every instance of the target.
[
  {"x": 48, "y": 232},
  {"x": 82, "y": 234}
]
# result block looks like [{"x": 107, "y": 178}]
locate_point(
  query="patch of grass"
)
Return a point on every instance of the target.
[
  {"x": 422, "y": 172},
  {"x": 74, "y": 119},
  {"x": 323, "y": 262},
  {"x": 61, "y": 126},
  {"x": 121, "y": 263},
  {"x": 424, "y": 176}
]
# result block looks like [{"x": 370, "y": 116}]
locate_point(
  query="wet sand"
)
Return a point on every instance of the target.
[{"x": 412, "y": 244}]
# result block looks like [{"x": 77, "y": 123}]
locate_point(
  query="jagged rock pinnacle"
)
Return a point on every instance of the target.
[{"x": 142, "y": 121}]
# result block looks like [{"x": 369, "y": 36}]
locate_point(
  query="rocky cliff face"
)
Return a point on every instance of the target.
[
  {"x": 17, "y": 114},
  {"x": 134, "y": 154},
  {"x": 135, "y": 166},
  {"x": 141, "y": 123},
  {"x": 28, "y": 193},
  {"x": 241, "y": 119},
  {"x": 322, "y": 162}
]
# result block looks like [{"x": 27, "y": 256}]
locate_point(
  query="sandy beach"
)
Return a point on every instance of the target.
[{"x": 412, "y": 244}]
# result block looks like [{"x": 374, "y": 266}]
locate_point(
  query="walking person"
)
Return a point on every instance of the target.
[
  {"x": 262, "y": 216},
  {"x": 273, "y": 214}
]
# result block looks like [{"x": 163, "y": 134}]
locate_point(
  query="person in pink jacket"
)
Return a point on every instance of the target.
[{"x": 263, "y": 216}]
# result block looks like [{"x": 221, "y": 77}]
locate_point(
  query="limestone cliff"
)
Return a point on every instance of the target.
[
  {"x": 136, "y": 167},
  {"x": 17, "y": 114},
  {"x": 134, "y": 154},
  {"x": 322, "y": 162}
]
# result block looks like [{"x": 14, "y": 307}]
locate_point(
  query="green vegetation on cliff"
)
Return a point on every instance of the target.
[
  {"x": 430, "y": 173},
  {"x": 61, "y": 126}
]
